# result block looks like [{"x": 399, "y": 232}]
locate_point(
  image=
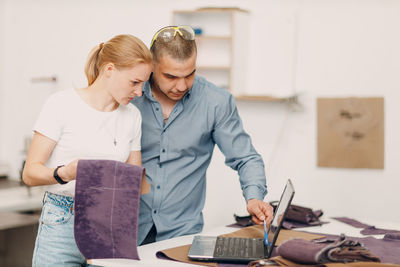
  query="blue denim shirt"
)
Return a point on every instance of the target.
[{"x": 176, "y": 156}]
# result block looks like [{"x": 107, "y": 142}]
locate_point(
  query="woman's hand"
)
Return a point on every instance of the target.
[{"x": 68, "y": 172}]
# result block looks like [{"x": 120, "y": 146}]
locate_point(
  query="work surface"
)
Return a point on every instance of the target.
[
  {"x": 18, "y": 198},
  {"x": 148, "y": 257}
]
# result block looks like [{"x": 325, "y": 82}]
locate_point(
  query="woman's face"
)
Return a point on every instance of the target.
[{"x": 126, "y": 83}]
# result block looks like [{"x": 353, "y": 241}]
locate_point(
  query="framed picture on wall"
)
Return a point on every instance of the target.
[{"x": 351, "y": 132}]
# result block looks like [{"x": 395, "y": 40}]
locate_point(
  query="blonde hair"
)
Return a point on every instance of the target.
[{"x": 123, "y": 51}]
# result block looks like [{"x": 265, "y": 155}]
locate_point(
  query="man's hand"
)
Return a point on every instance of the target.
[{"x": 260, "y": 210}]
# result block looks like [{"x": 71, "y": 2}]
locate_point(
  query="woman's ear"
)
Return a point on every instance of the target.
[{"x": 108, "y": 69}]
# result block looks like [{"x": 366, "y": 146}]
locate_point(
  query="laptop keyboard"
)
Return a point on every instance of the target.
[{"x": 232, "y": 247}]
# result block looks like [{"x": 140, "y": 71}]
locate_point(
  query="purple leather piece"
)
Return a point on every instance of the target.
[
  {"x": 341, "y": 249},
  {"x": 387, "y": 250},
  {"x": 287, "y": 224},
  {"x": 351, "y": 222},
  {"x": 292, "y": 225},
  {"x": 107, "y": 196},
  {"x": 300, "y": 250},
  {"x": 392, "y": 237},
  {"x": 378, "y": 231},
  {"x": 368, "y": 229}
]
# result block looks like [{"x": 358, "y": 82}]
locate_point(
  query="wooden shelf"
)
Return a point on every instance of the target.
[{"x": 222, "y": 44}]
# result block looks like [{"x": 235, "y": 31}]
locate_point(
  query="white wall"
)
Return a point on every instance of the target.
[
  {"x": 46, "y": 38},
  {"x": 345, "y": 48},
  {"x": 316, "y": 47},
  {"x": 2, "y": 52}
]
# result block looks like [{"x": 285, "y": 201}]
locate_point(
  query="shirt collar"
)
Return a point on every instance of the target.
[{"x": 147, "y": 91}]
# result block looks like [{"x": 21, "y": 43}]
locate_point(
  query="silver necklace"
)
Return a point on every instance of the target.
[
  {"x": 115, "y": 127},
  {"x": 113, "y": 135}
]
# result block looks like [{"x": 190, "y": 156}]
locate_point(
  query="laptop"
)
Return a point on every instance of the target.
[{"x": 242, "y": 250}]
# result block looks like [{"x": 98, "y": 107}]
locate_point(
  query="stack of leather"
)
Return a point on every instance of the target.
[{"x": 326, "y": 251}]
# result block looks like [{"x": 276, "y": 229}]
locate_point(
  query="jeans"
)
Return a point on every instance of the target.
[{"x": 55, "y": 243}]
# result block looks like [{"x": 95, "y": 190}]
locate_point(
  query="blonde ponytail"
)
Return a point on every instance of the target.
[
  {"x": 91, "y": 68},
  {"x": 123, "y": 51}
]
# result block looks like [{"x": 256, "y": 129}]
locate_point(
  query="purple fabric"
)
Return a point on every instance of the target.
[
  {"x": 107, "y": 198},
  {"x": 325, "y": 251},
  {"x": 367, "y": 229},
  {"x": 392, "y": 237},
  {"x": 377, "y": 231},
  {"x": 300, "y": 250},
  {"x": 351, "y": 222},
  {"x": 287, "y": 224},
  {"x": 387, "y": 250},
  {"x": 292, "y": 225}
]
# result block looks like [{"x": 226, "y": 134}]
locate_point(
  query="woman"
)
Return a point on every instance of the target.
[{"x": 96, "y": 122}]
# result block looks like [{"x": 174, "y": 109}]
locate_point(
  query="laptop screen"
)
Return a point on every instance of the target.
[{"x": 280, "y": 211}]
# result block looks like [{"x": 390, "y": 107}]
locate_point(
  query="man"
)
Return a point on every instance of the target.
[{"x": 184, "y": 116}]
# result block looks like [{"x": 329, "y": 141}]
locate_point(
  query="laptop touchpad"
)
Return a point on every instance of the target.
[{"x": 202, "y": 246}]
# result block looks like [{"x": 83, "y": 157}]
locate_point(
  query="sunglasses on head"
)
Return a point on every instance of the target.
[{"x": 169, "y": 33}]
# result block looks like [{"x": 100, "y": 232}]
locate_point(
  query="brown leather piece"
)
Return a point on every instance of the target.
[{"x": 180, "y": 254}]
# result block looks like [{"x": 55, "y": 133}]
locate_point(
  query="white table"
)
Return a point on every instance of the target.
[
  {"x": 21, "y": 198},
  {"x": 147, "y": 253},
  {"x": 17, "y": 230}
]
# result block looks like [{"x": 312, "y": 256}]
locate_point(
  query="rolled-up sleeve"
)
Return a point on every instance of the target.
[{"x": 240, "y": 155}]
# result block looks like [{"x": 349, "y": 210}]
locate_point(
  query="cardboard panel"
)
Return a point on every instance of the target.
[{"x": 351, "y": 132}]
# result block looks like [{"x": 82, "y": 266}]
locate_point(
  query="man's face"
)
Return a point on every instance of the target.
[{"x": 174, "y": 77}]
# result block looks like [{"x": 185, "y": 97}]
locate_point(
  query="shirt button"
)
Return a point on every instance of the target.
[
  {"x": 155, "y": 211},
  {"x": 163, "y": 150},
  {"x": 157, "y": 109},
  {"x": 158, "y": 187},
  {"x": 160, "y": 165}
]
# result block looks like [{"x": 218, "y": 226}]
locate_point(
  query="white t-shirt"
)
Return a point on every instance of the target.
[{"x": 82, "y": 132}]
